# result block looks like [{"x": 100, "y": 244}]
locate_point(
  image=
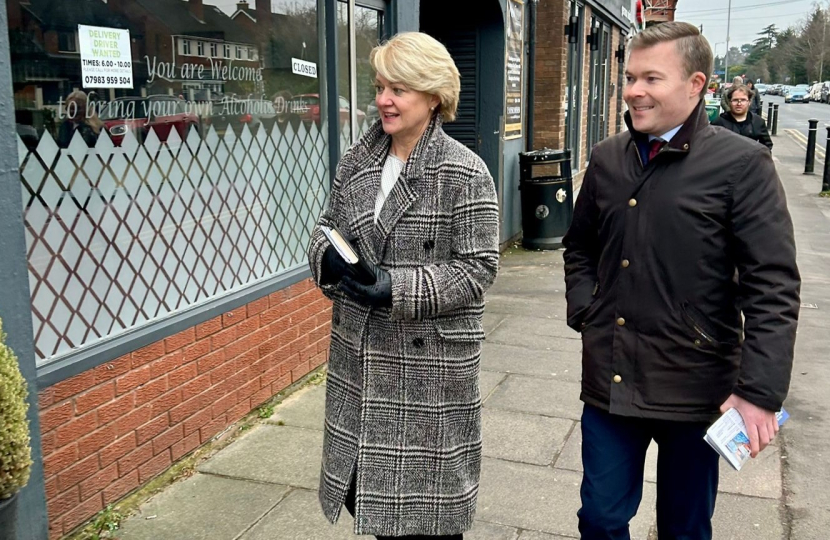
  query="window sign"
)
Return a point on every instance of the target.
[
  {"x": 106, "y": 60},
  {"x": 514, "y": 49},
  {"x": 162, "y": 165}
]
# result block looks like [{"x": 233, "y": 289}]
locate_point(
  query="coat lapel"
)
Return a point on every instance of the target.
[{"x": 405, "y": 191}]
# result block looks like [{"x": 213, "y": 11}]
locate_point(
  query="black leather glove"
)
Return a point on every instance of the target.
[
  {"x": 377, "y": 295},
  {"x": 333, "y": 267}
]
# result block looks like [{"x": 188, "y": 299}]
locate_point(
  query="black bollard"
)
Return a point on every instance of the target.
[
  {"x": 775, "y": 119},
  {"x": 825, "y": 182},
  {"x": 810, "y": 161},
  {"x": 769, "y": 115}
]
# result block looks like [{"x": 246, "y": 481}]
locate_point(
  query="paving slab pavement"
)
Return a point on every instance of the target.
[{"x": 264, "y": 484}]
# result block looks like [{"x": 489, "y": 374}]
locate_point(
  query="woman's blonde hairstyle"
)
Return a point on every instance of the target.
[{"x": 421, "y": 63}]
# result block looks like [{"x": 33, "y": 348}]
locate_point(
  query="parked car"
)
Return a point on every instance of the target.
[
  {"x": 236, "y": 113},
  {"x": 797, "y": 96},
  {"x": 162, "y": 114},
  {"x": 814, "y": 93},
  {"x": 761, "y": 88},
  {"x": 307, "y": 108}
]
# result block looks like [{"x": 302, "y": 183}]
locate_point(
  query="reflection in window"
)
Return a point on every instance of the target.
[
  {"x": 204, "y": 176},
  {"x": 368, "y": 33},
  {"x": 66, "y": 42}
]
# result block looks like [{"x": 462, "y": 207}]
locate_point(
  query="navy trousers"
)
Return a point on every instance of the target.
[{"x": 613, "y": 457}]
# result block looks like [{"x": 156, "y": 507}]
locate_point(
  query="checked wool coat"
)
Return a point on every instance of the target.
[{"x": 403, "y": 410}]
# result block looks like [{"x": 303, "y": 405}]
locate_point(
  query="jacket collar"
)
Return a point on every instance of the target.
[{"x": 680, "y": 143}]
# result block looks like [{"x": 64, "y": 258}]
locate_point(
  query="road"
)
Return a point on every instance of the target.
[{"x": 793, "y": 122}]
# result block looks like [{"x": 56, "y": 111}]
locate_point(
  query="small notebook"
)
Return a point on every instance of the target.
[{"x": 363, "y": 272}]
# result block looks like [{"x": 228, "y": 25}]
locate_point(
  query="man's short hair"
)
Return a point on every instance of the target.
[
  {"x": 750, "y": 93},
  {"x": 691, "y": 45}
]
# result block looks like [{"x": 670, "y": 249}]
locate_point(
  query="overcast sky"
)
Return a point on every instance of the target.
[{"x": 748, "y": 18}]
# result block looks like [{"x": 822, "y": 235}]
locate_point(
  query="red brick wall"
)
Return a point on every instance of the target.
[
  {"x": 551, "y": 72},
  {"x": 109, "y": 430},
  {"x": 552, "y": 78}
]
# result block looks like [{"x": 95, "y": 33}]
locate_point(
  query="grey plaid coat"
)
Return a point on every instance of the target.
[{"x": 402, "y": 397}]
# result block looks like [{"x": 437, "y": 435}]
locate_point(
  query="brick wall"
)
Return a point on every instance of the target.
[
  {"x": 109, "y": 430},
  {"x": 551, "y": 67},
  {"x": 551, "y": 71}
]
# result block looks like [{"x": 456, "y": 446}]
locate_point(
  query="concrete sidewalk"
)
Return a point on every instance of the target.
[{"x": 263, "y": 486}]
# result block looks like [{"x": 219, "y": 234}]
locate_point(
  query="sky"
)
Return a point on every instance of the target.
[{"x": 748, "y": 18}]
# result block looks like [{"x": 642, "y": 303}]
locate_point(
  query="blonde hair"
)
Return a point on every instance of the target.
[
  {"x": 421, "y": 63},
  {"x": 692, "y": 47}
]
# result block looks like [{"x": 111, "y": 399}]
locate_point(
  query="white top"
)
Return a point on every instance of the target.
[{"x": 392, "y": 168}]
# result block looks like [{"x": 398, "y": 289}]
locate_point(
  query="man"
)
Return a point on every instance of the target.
[{"x": 679, "y": 228}]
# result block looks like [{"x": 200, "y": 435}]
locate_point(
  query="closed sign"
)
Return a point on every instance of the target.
[{"x": 301, "y": 67}]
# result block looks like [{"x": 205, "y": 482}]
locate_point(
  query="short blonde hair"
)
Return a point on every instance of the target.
[{"x": 422, "y": 63}]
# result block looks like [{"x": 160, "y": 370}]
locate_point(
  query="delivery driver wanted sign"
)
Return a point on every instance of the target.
[{"x": 106, "y": 59}]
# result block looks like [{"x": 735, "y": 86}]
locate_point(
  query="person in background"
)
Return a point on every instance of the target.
[
  {"x": 402, "y": 439},
  {"x": 79, "y": 119},
  {"x": 755, "y": 103},
  {"x": 724, "y": 103},
  {"x": 681, "y": 276},
  {"x": 741, "y": 119}
]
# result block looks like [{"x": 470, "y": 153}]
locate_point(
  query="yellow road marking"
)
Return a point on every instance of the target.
[{"x": 801, "y": 140}]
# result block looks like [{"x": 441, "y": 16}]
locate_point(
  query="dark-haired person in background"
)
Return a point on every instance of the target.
[{"x": 740, "y": 119}]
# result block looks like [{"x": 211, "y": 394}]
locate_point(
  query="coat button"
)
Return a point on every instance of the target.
[
  {"x": 335, "y": 319},
  {"x": 621, "y": 321},
  {"x": 429, "y": 244},
  {"x": 617, "y": 379},
  {"x": 417, "y": 343},
  {"x": 632, "y": 203},
  {"x": 625, "y": 263},
  {"x": 697, "y": 342}
]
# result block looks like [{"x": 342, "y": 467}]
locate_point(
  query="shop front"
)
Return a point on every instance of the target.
[{"x": 163, "y": 170}]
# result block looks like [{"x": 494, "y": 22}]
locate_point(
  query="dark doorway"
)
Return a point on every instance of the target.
[{"x": 475, "y": 39}]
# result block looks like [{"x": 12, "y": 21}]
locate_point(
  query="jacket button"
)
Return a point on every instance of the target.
[
  {"x": 697, "y": 342},
  {"x": 429, "y": 244},
  {"x": 617, "y": 379},
  {"x": 335, "y": 319},
  {"x": 621, "y": 321},
  {"x": 417, "y": 343},
  {"x": 632, "y": 203},
  {"x": 625, "y": 263}
]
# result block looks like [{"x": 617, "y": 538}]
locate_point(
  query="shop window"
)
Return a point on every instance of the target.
[{"x": 162, "y": 183}]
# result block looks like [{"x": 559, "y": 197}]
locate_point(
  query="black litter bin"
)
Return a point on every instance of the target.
[{"x": 547, "y": 199}]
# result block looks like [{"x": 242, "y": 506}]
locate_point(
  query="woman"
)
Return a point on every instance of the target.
[
  {"x": 741, "y": 120},
  {"x": 755, "y": 103},
  {"x": 402, "y": 445},
  {"x": 79, "y": 118}
]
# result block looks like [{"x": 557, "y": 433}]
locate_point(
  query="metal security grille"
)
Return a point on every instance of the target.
[{"x": 120, "y": 236}]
